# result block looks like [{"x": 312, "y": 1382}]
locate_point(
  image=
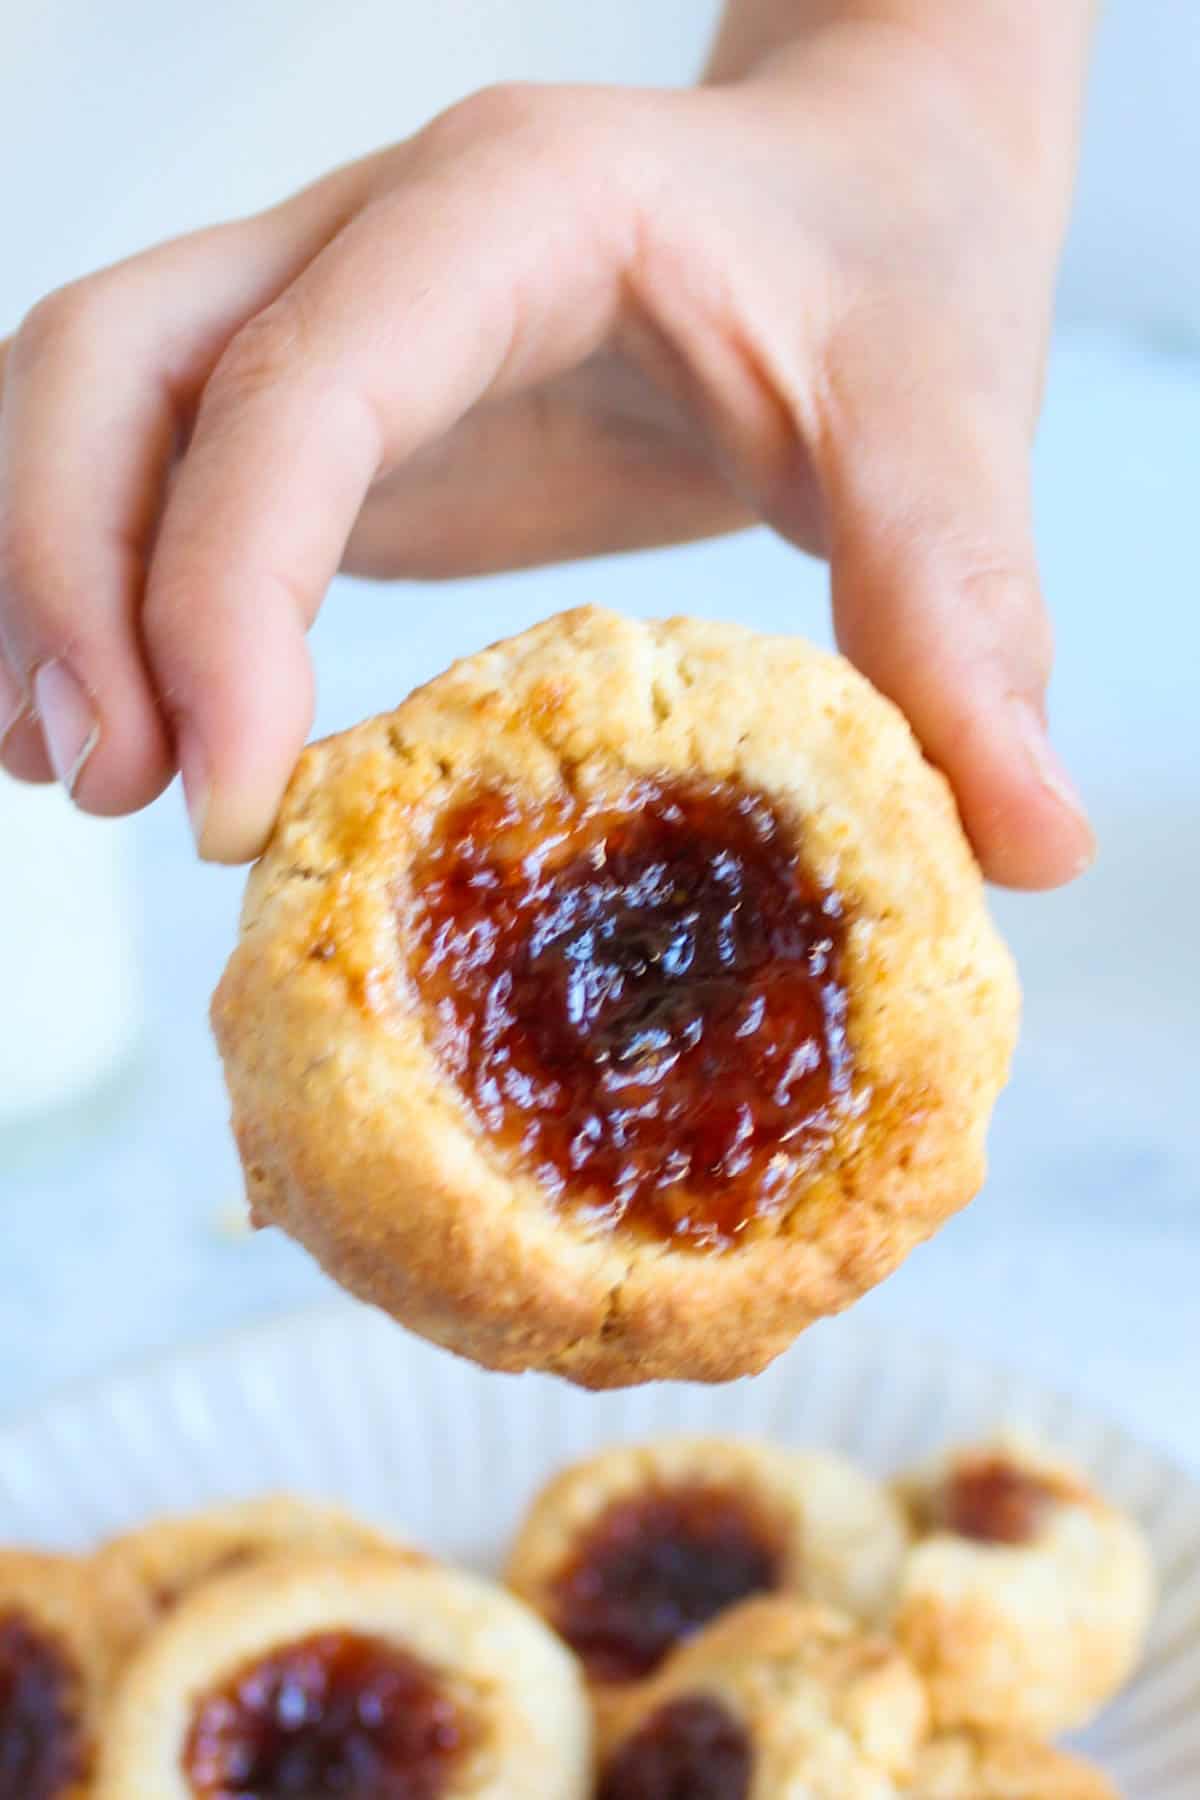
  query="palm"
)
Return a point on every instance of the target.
[{"x": 598, "y": 460}]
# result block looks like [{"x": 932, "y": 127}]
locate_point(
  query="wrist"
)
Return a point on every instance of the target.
[{"x": 1017, "y": 66}]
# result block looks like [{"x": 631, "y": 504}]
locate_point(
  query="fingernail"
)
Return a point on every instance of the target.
[
  {"x": 193, "y": 766},
  {"x": 12, "y": 703},
  {"x": 1052, "y": 772},
  {"x": 69, "y": 723}
]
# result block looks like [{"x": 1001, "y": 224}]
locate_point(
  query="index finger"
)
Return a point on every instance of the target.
[{"x": 462, "y": 281}]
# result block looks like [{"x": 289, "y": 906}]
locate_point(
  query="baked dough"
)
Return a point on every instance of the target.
[
  {"x": 641, "y": 1545},
  {"x": 55, "y": 1669},
  {"x": 824, "y": 1710},
  {"x": 509, "y": 1713},
  {"x": 147, "y": 1572},
  {"x": 981, "y": 1766},
  {"x": 1032, "y": 1613},
  {"x": 383, "y": 1122}
]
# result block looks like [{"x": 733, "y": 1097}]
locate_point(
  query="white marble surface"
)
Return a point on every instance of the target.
[{"x": 1081, "y": 1261}]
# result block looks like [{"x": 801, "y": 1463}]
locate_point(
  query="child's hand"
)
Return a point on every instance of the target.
[{"x": 555, "y": 322}]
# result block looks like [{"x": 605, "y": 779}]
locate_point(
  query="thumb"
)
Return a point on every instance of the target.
[{"x": 936, "y": 599}]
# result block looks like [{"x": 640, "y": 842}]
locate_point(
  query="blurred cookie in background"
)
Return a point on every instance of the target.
[
  {"x": 997, "y": 1766},
  {"x": 1026, "y": 1598},
  {"x": 631, "y": 1551},
  {"x": 777, "y": 1698},
  {"x": 144, "y": 1574},
  {"x": 56, "y": 1667},
  {"x": 365, "y": 1674}
]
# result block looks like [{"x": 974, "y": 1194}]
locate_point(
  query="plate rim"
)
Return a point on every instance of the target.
[
  {"x": 293, "y": 1343},
  {"x": 870, "y": 1338}
]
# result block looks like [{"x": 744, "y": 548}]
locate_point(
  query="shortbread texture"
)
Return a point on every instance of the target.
[{"x": 357, "y": 1140}]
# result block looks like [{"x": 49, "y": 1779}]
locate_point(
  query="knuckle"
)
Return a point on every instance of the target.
[
  {"x": 530, "y": 127},
  {"x": 262, "y": 356},
  {"x": 59, "y": 320},
  {"x": 504, "y": 109},
  {"x": 1004, "y": 593}
]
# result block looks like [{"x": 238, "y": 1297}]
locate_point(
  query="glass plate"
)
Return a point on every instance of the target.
[{"x": 338, "y": 1402}]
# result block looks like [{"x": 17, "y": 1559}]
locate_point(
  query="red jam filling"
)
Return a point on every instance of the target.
[
  {"x": 641, "y": 999},
  {"x": 690, "y": 1749},
  {"x": 653, "y": 1569},
  {"x": 336, "y": 1714},
  {"x": 42, "y": 1749},
  {"x": 991, "y": 1501}
]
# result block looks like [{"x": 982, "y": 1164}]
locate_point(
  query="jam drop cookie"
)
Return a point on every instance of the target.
[
  {"x": 620, "y": 1004},
  {"x": 1026, "y": 1598},
  {"x": 982, "y": 1766},
  {"x": 355, "y": 1678},
  {"x": 775, "y": 1699},
  {"x": 150, "y": 1570},
  {"x": 55, "y": 1668},
  {"x": 637, "y": 1548}
]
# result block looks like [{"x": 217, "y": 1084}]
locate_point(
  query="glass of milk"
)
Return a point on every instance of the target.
[{"x": 70, "y": 1003}]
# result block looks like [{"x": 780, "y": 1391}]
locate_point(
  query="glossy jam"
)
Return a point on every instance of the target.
[
  {"x": 42, "y": 1751},
  {"x": 991, "y": 1501},
  {"x": 641, "y": 1000},
  {"x": 655, "y": 1568},
  {"x": 338, "y": 1715},
  {"x": 690, "y": 1749}
]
